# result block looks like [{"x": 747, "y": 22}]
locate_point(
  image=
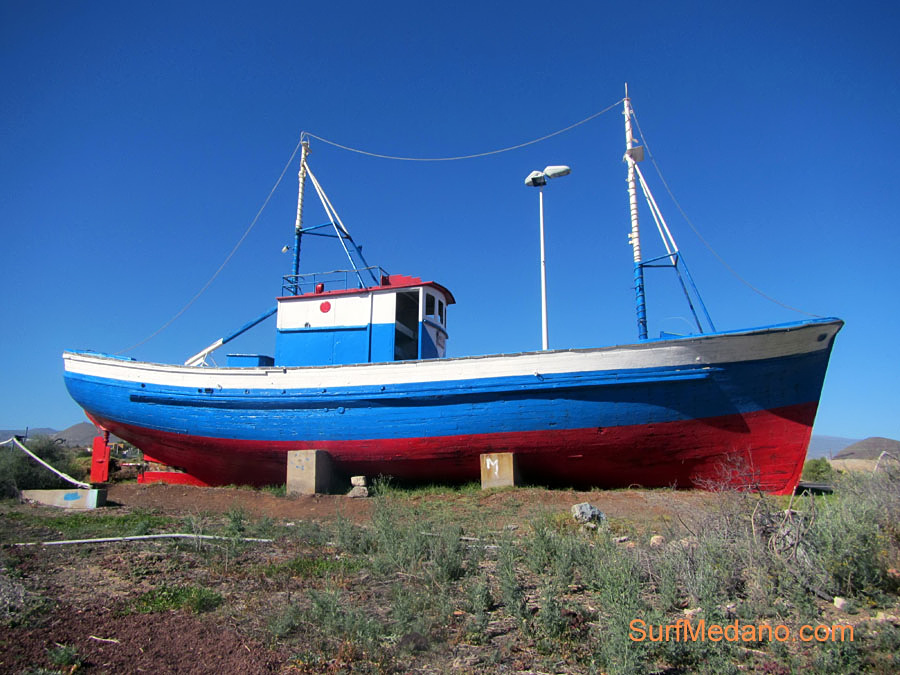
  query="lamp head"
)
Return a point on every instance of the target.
[
  {"x": 557, "y": 171},
  {"x": 536, "y": 179}
]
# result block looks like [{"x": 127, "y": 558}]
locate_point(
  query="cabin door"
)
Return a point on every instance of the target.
[{"x": 406, "y": 326}]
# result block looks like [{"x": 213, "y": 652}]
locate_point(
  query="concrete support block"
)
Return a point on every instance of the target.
[
  {"x": 499, "y": 469},
  {"x": 75, "y": 498},
  {"x": 309, "y": 472}
]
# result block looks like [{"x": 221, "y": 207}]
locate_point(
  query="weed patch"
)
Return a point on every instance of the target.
[
  {"x": 311, "y": 567},
  {"x": 166, "y": 598}
]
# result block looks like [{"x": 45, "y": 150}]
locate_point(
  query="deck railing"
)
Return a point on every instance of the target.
[{"x": 336, "y": 280}]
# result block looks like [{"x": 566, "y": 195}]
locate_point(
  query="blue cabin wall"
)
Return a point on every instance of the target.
[
  {"x": 427, "y": 348},
  {"x": 322, "y": 346},
  {"x": 363, "y": 326}
]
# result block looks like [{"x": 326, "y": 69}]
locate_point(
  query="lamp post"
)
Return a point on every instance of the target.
[{"x": 538, "y": 179}]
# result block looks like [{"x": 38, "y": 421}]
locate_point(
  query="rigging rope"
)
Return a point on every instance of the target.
[
  {"x": 474, "y": 156},
  {"x": 33, "y": 456},
  {"x": 224, "y": 262},
  {"x": 700, "y": 236},
  {"x": 305, "y": 135}
]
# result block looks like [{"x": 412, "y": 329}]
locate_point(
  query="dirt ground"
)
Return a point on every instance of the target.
[
  {"x": 643, "y": 508},
  {"x": 84, "y": 592}
]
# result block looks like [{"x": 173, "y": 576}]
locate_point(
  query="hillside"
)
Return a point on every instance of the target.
[
  {"x": 870, "y": 448},
  {"x": 38, "y": 431},
  {"x": 827, "y": 446},
  {"x": 76, "y": 436}
]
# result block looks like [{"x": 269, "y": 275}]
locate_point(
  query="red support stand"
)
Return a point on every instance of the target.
[{"x": 100, "y": 459}]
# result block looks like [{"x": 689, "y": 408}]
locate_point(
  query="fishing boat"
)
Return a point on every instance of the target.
[{"x": 360, "y": 371}]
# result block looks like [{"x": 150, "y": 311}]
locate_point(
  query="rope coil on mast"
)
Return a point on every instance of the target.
[{"x": 298, "y": 224}]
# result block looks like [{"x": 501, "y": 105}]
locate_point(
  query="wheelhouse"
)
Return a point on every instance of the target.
[{"x": 322, "y": 322}]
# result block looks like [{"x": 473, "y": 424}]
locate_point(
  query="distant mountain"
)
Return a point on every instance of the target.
[
  {"x": 827, "y": 446},
  {"x": 41, "y": 431},
  {"x": 870, "y": 448},
  {"x": 78, "y": 435}
]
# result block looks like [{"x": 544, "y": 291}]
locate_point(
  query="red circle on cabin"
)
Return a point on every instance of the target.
[{"x": 325, "y": 307}]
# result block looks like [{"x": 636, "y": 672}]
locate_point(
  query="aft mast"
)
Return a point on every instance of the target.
[{"x": 634, "y": 236}]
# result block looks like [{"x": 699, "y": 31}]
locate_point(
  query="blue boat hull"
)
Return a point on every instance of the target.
[{"x": 736, "y": 408}]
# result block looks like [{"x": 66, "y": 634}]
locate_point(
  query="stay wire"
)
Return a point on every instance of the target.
[
  {"x": 703, "y": 239},
  {"x": 224, "y": 262},
  {"x": 459, "y": 157},
  {"x": 303, "y": 136}
]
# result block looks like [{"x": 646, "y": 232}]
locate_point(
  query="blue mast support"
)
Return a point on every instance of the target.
[
  {"x": 639, "y": 300},
  {"x": 687, "y": 296},
  {"x": 296, "y": 268},
  {"x": 250, "y": 324},
  {"x": 365, "y": 267},
  {"x": 675, "y": 257},
  {"x": 699, "y": 297},
  {"x": 634, "y": 154}
]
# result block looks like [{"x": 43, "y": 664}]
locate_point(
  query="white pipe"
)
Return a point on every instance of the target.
[
  {"x": 200, "y": 356},
  {"x": 654, "y": 207},
  {"x": 137, "y": 538},
  {"x": 654, "y": 213},
  {"x": 335, "y": 222}
]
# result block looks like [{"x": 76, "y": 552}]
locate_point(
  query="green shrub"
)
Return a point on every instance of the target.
[
  {"x": 310, "y": 567},
  {"x": 818, "y": 471},
  {"x": 286, "y": 621},
  {"x": 353, "y": 538},
  {"x": 855, "y": 538},
  {"x": 64, "y": 655},
  {"x": 21, "y": 471},
  {"x": 165, "y": 598},
  {"x": 336, "y": 618}
]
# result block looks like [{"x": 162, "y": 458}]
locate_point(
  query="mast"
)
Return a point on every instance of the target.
[
  {"x": 298, "y": 225},
  {"x": 634, "y": 236}
]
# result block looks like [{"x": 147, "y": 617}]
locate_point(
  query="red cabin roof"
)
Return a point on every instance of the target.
[{"x": 389, "y": 282}]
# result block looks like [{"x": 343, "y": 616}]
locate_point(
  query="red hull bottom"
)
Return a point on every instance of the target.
[
  {"x": 762, "y": 450},
  {"x": 169, "y": 478}
]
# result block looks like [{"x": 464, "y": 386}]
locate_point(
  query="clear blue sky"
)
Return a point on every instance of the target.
[{"x": 139, "y": 140}]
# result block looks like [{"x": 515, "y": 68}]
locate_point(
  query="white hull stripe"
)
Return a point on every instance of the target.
[{"x": 766, "y": 343}]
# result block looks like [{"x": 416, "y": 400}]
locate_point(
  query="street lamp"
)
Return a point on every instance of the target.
[{"x": 538, "y": 179}]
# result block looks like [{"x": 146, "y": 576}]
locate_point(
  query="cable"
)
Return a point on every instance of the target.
[
  {"x": 700, "y": 236},
  {"x": 225, "y": 262},
  {"x": 304, "y": 135},
  {"x": 476, "y": 155}
]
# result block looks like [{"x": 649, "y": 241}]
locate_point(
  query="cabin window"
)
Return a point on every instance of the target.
[{"x": 434, "y": 308}]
